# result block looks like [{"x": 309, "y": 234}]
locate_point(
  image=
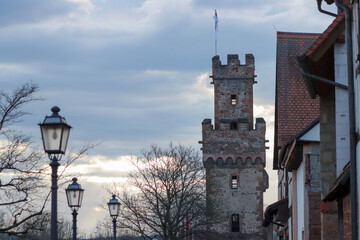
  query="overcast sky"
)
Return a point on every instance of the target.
[{"x": 129, "y": 73}]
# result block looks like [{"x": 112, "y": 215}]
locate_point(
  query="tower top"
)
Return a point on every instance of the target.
[{"x": 233, "y": 68}]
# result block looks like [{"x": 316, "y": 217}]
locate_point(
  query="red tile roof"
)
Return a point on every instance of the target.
[
  {"x": 327, "y": 38},
  {"x": 294, "y": 109},
  {"x": 319, "y": 58}
]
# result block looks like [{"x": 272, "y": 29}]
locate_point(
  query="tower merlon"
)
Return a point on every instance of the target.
[
  {"x": 249, "y": 59},
  {"x": 206, "y": 125},
  {"x": 260, "y": 125},
  {"x": 206, "y": 121}
]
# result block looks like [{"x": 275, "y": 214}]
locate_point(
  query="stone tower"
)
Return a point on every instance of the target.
[{"x": 234, "y": 154}]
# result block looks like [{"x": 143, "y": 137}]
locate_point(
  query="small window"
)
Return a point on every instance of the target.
[
  {"x": 233, "y": 125},
  {"x": 234, "y": 182},
  {"x": 233, "y": 100},
  {"x": 235, "y": 224}
]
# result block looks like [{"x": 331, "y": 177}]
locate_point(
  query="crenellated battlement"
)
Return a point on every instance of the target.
[
  {"x": 233, "y": 68},
  {"x": 242, "y": 125}
]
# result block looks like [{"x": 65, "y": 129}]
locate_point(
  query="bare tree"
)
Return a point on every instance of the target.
[
  {"x": 168, "y": 195},
  {"x": 23, "y": 171}
]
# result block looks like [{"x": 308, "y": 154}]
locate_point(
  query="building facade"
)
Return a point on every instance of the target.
[
  {"x": 330, "y": 72},
  {"x": 234, "y": 154},
  {"x": 296, "y": 214}
]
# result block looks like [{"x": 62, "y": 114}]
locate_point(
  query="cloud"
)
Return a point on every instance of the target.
[
  {"x": 165, "y": 104},
  {"x": 30, "y": 12},
  {"x": 102, "y": 168},
  {"x": 99, "y": 23},
  {"x": 267, "y": 112}
]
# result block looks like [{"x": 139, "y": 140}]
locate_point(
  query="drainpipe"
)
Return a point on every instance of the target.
[
  {"x": 320, "y": 79},
  {"x": 350, "y": 74}
]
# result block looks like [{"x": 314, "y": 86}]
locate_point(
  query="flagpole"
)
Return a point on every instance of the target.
[
  {"x": 216, "y": 30},
  {"x": 215, "y": 47}
]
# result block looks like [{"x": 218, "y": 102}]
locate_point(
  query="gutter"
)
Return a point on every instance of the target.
[{"x": 350, "y": 75}]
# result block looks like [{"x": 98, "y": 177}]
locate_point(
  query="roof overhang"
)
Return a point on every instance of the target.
[
  {"x": 277, "y": 213},
  {"x": 294, "y": 156},
  {"x": 319, "y": 58},
  {"x": 341, "y": 187},
  {"x": 291, "y": 154}
]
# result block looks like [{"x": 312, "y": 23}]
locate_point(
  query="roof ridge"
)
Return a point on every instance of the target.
[
  {"x": 297, "y": 33},
  {"x": 330, "y": 29}
]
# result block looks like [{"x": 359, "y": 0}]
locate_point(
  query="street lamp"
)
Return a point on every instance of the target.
[
  {"x": 55, "y": 134},
  {"x": 114, "y": 208},
  {"x": 74, "y": 195}
]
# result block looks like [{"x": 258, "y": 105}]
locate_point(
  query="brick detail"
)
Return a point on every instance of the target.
[
  {"x": 314, "y": 215},
  {"x": 347, "y": 217},
  {"x": 329, "y": 220}
]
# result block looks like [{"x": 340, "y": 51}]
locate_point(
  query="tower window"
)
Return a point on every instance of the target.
[
  {"x": 235, "y": 223},
  {"x": 233, "y": 100},
  {"x": 233, "y": 125},
  {"x": 234, "y": 182}
]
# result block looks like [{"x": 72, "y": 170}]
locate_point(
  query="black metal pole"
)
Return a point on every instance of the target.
[
  {"x": 114, "y": 224},
  {"x": 74, "y": 214},
  {"x": 54, "y": 167}
]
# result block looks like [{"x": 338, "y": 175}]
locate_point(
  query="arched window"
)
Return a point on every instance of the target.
[
  {"x": 233, "y": 125},
  {"x": 235, "y": 223}
]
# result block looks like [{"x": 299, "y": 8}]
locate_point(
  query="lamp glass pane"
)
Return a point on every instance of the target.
[
  {"x": 81, "y": 193},
  {"x": 114, "y": 209},
  {"x": 65, "y": 137},
  {"x": 51, "y": 136},
  {"x": 72, "y": 197}
]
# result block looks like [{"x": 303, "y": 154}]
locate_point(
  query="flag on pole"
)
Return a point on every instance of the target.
[{"x": 215, "y": 17}]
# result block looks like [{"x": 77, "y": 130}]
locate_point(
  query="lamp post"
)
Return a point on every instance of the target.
[
  {"x": 114, "y": 208},
  {"x": 74, "y": 195},
  {"x": 55, "y": 134}
]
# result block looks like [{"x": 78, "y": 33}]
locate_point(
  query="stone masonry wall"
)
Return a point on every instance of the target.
[
  {"x": 234, "y": 143},
  {"x": 225, "y": 80},
  {"x": 246, "y": 200}
]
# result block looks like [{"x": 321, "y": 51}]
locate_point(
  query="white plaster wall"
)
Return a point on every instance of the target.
[
  {"x": 300, "y": 199},
  {"x": 313, "y": 134},
  {"x": 289, "y": 188},
  {"x": 290, "y": 230},
  {"x": 341, "y": 109},
  {"x": 357, "y": 76},
  {"x": 281, "y": 184},
  {"x": 356, "y": 33}
]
